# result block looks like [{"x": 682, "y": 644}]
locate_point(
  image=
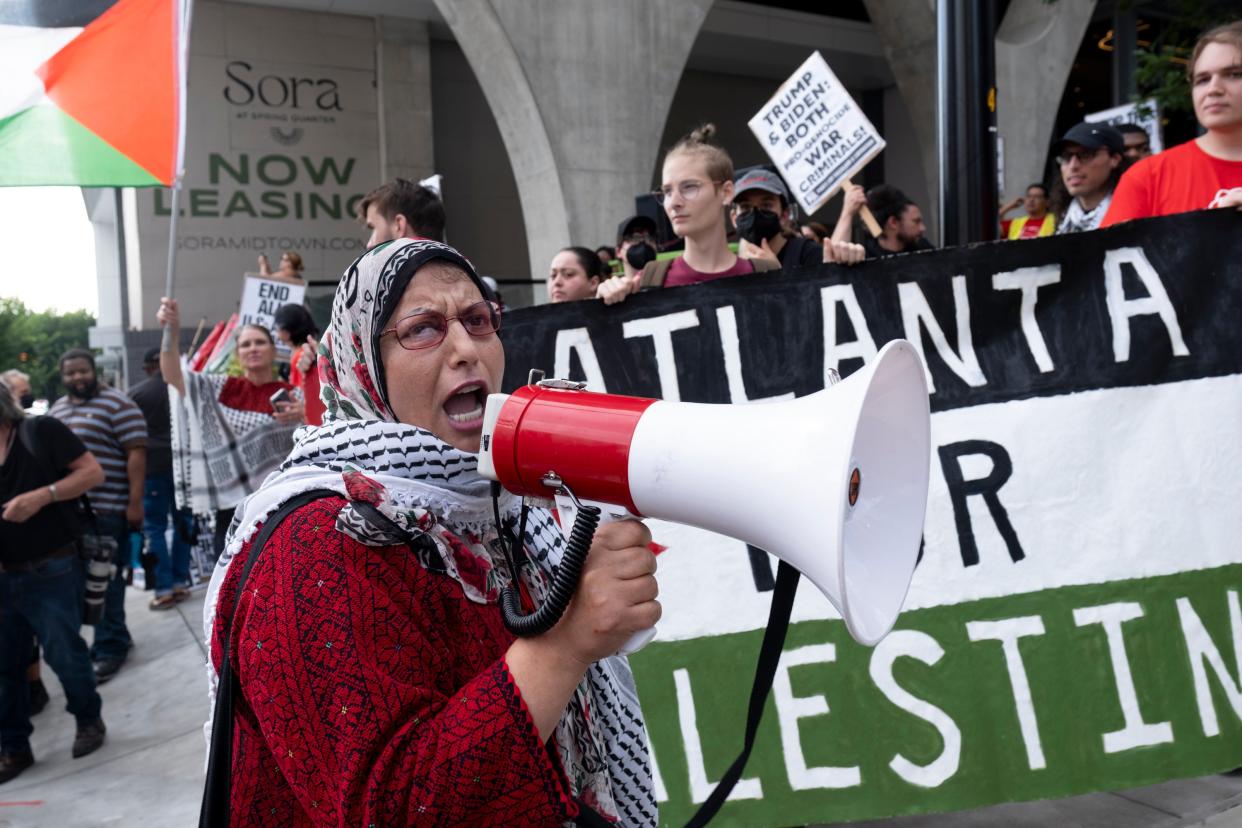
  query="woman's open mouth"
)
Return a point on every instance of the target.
[{"x": 464, "y": 406}]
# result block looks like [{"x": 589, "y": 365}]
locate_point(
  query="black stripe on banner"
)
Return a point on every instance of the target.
[
  {"x": 52, "y": 13},
  {"x": 1093, "y": 336}
]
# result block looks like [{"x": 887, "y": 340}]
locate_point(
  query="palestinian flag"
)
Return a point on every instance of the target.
[{"x": 91, "y": 92}]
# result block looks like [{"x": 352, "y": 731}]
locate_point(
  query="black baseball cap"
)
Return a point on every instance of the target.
[
  {"x": 633, "y": 224},
  {"x": 151, "y": 357},
  {"x": 1092, "y": 136}
]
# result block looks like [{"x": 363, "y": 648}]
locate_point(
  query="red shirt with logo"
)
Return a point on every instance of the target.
[{"x": 1178, "y": 180}]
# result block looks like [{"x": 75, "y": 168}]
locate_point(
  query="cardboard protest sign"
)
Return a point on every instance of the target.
[
  {"x": 815, "y": 133},
  {"x": 1144, "y": 113},
  {"x": 1075, "y": 622},
  {"x": 261, "y": 297}
]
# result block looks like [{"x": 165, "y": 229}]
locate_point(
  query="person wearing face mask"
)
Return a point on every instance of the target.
[
  {"x": 762, "y": 215},
  {"x": 636, "y": 246},
  {"x": 19, "y": 383},
  {"x": 238, "y": 429},
  {"x": 697, "y": 190},
  {"x": 575, "y": 274},
  {"x": 112, "y": 427}
]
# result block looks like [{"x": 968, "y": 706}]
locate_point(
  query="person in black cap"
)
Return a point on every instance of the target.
[
  {"x": 763, "y": 218},
  {"x": 1091, "y": 160}
]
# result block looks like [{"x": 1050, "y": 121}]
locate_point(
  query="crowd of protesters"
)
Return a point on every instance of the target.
[{"x": 103, "y": 464}]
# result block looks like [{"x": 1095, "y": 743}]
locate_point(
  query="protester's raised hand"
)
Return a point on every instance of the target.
[
  {"x": 169, "y": 313},
  {"x": 306, "y": 355},
  {"x": 763, "y": 250},
  {"x": 616, "y": 596},
  {"x": 617, "y": 289},
  {"x": 855, "y": 199},
  {"x": 843, "y": 253}
]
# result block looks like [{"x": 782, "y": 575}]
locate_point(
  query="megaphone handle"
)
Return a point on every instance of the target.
[{"x": 609, "y": 512}]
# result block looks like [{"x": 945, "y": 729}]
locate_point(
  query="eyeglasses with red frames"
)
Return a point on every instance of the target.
[{"x": 427, "y": 329}]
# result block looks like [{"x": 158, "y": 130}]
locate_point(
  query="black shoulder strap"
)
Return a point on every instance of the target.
[
  {"x": 215, "y": 808},
  {"x": 765, "y": 671}
]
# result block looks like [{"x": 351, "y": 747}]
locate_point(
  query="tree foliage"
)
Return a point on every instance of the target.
[{"x": 33, "y": 342}]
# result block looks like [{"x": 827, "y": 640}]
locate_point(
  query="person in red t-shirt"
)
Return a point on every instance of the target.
[
  {"x": 1207, "y": 171},
  {"x": 296, "y": 328}
]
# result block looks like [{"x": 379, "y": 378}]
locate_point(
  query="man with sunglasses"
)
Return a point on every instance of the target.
[{"x": 1091, "y": 162}]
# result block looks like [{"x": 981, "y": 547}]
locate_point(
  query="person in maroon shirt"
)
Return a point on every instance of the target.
[
  {"x": 379, "y": 685},
  {"x": 697, "y": 193}
]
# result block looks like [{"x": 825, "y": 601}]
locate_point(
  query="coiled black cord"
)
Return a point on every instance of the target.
[{"x": 564, "y": 582}]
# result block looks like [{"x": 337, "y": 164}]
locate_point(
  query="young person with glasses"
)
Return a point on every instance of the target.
[
  {"x": 696, "y": 193},
  {"x": 1091, "y": 161},
  {"x": 1205, "y": 172}
]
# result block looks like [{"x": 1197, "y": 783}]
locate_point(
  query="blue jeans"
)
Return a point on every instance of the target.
[
  {"x": 158, "y": 502},
  {"x": 46, "y": 602},
  {"x": 112, "y": 639}
]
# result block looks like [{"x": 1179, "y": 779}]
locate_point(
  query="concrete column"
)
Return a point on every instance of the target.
[
  {"x": 581, "y": 90},
  {"x": 1035, "y": 48},
  {"x": 403, "y": 86},
  {"x": 907, "y": 30}
]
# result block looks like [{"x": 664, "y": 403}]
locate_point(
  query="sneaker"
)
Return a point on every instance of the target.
[
  {"x": 89, "y": 738},
  {"x": 163, "y": 602},
  {"x": 106, "y": 668},
  {"x": 38, "y": 697},
  {"x": 12, "y": 764}
]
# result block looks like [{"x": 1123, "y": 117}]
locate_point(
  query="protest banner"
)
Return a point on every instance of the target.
[
  {"x": 1143, "y": 113},
  {"x": 815, "y": 134},
  {"x": 1074, "y": 624}
]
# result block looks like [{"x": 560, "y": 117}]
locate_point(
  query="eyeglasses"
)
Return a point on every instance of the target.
[
  {"x": 427, "y": 329},
  {"x": 689, "y": 190},
  {"x": 1083, "y": 156}
]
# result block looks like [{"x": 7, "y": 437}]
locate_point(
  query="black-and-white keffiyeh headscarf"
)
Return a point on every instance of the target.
[
  {"x": 1078, "y": 220},
  {"x": 429, "y": 489}
]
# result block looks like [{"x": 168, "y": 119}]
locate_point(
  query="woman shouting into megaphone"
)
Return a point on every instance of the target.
[{"x": 355, "y": 606}]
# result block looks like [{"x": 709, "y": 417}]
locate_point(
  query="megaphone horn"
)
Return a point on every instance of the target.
[{"x": 834, "y": 483}]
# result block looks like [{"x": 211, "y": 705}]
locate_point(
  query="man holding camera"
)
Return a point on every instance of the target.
[
  {"x": 113, "y": 429},
  {"x": 43, "y": 469}
]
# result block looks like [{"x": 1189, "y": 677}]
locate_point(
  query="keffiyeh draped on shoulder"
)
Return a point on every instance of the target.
[{"x": 430, "y": 497}]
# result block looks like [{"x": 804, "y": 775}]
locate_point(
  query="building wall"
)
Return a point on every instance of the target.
[
  {"x": 282, "y": 142},
  {"x": 480, "y": 194}
]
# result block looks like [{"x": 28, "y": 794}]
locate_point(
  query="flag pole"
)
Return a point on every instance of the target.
[{"x": 183, "y": 70}]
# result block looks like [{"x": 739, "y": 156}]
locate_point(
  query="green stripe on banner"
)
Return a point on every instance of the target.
[
  {"x": 43, "y": 146},
  {"x": 1130, "y": 682}
]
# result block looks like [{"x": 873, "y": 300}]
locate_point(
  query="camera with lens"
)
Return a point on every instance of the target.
[{"x": 99, "y": 555}]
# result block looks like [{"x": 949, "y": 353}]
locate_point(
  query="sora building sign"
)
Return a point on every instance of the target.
[{"x": 282, "y": 145}]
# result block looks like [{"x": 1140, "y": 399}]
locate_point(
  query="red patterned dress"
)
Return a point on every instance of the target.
[{"x": 375, "y": 693}]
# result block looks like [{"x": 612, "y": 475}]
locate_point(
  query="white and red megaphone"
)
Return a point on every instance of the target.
[{"x": 834, "y": 483}]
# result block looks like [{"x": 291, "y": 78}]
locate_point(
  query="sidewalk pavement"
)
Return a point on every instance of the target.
[{"x": 150, "y": 770}]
